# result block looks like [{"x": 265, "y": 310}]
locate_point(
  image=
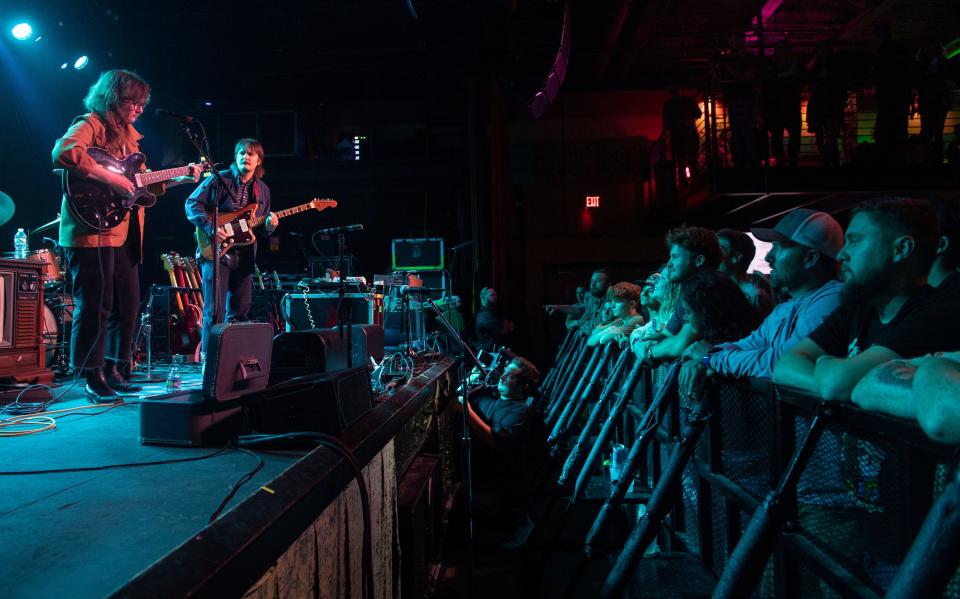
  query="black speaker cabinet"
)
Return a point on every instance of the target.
[
  {"x": 327, "y": 403},
  {"x": 323, "y": 350},
  {"x": 322, "y": 312}
]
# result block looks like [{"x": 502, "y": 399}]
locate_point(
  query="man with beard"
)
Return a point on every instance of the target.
[
  {"x": 492, "y": 328},
  {"x": 802, "y": 264},
  {"x": 888, "y": 311},
  {"x": 901, "y": 387},
  {"x": 589, "y": 311}
]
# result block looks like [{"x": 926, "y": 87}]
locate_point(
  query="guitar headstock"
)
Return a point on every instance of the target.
[
  {"x": 322, "y": 203},
  {"x": 167, "y": 262},
  {"x": 176, "y": 259}
]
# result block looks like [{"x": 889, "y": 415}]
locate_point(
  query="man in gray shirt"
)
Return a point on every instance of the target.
[{"x": 803, "y": 264}]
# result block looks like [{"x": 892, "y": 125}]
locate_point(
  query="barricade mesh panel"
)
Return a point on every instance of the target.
[
  {"x": 851, "y": 501},
  {"x": 718, "y": 516},
  {"x": 745, "y": 433}
]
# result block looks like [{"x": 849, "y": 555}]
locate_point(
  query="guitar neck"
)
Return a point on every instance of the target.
[
  {"x": 259, "y": 220},
  {"x": 151, "y": 177}
]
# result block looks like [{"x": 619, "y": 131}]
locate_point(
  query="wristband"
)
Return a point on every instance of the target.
[{"x": 706, "y": 360}]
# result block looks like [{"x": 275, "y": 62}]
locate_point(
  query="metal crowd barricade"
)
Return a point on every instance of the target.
[
  {"x": 547, "y": 384},
  {"x": 567, "y": 380},
  {"x": 781, "y": 495},
  {"x": 609, "y": 357}
]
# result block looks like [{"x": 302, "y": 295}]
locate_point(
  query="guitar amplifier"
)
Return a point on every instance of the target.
[
  {"x": 169, "y": 334},
  {"x": 299, "y": 353},
  {"x": 322, "y": 313}
]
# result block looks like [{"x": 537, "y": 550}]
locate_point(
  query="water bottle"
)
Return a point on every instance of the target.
[
  {"x": 174, "y": 377},
  {"x": 20, "y": 245}
]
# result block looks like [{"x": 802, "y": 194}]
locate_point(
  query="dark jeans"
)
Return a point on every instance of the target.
[
  {"x": 235, "y": 291},
  {"x": 106, "y": 296}
]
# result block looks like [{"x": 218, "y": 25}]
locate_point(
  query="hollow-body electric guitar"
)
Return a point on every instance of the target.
[
  {"x": 96, "y": 204},
  {"x": 236, "y": 228}
]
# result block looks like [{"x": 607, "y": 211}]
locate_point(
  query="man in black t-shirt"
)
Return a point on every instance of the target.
[
  {"x": 888, "y": 311},
  {"x": 508, "y": 450}
]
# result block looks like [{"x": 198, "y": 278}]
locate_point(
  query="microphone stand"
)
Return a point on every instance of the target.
[
  {"x": 467, "y": 355},
  {"x": 201, "y": 145},
  {"x": 342, "y": 291}
]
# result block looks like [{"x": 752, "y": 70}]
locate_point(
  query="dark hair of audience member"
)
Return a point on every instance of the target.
[
  {"x": 741, "y": 244},
  {"x": 948, "y": 217},
  {"x": 528, "y": 373},
  {"x": 624, "y": 291},
  {"x": 717, "y": 307},
  {"x": 602, "y": 271},
  {"x": 898, "y": 216},
  {"x": 697, "y": 240}
]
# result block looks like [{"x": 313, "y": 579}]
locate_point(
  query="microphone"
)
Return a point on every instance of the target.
[
  {"x": 173, "y": 115},
  {"x": 408, "y": 290},
  {"x": 461, "y": 246},
  {"x": 338, "y": 230}
]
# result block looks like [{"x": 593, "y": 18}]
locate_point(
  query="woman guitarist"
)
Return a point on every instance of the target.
[
  {"x": 242, "y": 185},
  {"x": 105, "y": 264}
]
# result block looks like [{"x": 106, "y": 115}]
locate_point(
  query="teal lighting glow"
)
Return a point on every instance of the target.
[
  {"x": 81, "y": 62},
  {"x": 63, "y": 66}
]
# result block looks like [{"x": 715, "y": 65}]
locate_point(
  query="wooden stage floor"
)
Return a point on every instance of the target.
[{"x": 86, "y": 533}]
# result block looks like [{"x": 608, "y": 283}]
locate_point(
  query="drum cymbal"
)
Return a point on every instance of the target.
[
  {"x": 44, "y": 228},
  {"x": 7, "y": 208}
]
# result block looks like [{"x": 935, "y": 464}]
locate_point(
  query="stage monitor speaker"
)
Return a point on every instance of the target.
[
  {"x": 238, "y": 359},
  {"x": 301, "y": 353},
  {"x": 238, "y": 364},
  {"x": 327, "y": 403}
]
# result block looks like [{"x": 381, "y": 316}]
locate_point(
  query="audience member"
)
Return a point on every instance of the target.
[
  {"x": 492, "y": 328},
  {"x": 892, "y": 388},
  {"x": 828, "y": 96},
  {"x": 692, "y": 250},
  {"x": 736, "y": 73},
  {"x": 663, "y": 302},
  {"x": 646, "y": 295},
  {"x": 509, "y": 446},
  {"x": 803, "y": 264},
  {"x": 737, "y": 252},
  {"x": 887, "y": 310},
  {"x": 717, "y": 310},
  {"x": 588, "y": 314},
  {"x": 789, "y": 80},
  {"x": 680, "y": 115},
  {"x": 624, "y": 298},
  {"x": 933, "y": 99},
  {"x": 943, "y": 274},
  {"x": 894, "y": 96}
]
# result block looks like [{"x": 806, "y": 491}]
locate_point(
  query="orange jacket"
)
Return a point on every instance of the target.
[{"x": 70, "y": 152}]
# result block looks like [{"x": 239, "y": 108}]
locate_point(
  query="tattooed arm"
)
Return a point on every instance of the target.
[{"x": 888, "y": 388}]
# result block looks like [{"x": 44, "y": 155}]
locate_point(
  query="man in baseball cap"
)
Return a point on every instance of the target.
[{"x": 803, "y": 265}]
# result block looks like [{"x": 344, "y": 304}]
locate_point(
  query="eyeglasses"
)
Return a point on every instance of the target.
[{"x": 133, "y": 103}]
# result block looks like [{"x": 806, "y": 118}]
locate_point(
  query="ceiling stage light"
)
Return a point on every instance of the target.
[
  {"x": 22, "y": 31},
  {"x": 63, "y": 66},
  {"x": 81, "y": 62}
]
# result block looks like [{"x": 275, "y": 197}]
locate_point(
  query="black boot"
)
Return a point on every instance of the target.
[
  {"x": 98, "y": 391},
  {"x": 114, "y": 374}
]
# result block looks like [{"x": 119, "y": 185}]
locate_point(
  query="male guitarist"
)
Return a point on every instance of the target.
[
  {"x": 105, "y": 264},
  {"x": 241, "y": 185}
]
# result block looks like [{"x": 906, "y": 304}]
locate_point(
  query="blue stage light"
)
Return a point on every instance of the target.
[
  {"x": 63, "y": 66},
  {"x": 22, "y": 31},
  {"x": 81, "y": 62}
]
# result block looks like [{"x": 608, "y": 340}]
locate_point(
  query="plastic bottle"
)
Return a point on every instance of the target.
[
  {"x": 20, "y": 245},
  {"x": 174, "y": 378}
]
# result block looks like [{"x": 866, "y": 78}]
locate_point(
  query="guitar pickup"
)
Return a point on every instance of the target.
[
  {"x": 137, "y": 180},
  {"x": 228, "y": 229},
  {"x": 244, "y": 227}
]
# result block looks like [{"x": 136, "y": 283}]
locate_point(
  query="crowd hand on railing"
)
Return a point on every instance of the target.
[{"x": 694, "y": 372}]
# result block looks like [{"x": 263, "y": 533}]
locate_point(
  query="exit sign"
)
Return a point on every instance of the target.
[{"x": 593, "y": 201}]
